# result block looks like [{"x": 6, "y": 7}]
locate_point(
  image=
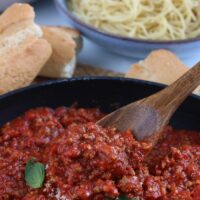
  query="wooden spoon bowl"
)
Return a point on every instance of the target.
[{"x": 147, "y": 117}]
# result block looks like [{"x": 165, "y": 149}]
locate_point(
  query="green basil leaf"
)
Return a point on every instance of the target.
[
  {"x": 34, "y": 174},
  {"x": 123, "y": 197}
]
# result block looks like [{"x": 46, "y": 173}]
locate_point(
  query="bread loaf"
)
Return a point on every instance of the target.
[
  {"x": 65, "y": 43},
  {"x": 160, "y": 66},
  {"x": 20, "y": 68},
  {"x": 23, "y": 52}
]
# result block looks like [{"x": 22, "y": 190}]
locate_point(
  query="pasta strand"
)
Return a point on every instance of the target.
[{"x": 146, "y": 19}]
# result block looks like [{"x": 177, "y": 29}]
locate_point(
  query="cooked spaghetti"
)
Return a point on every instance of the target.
[{"x": 145, "y": 19}]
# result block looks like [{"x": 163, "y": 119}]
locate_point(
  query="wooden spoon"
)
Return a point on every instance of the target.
[{"x": 147, "y": 117}]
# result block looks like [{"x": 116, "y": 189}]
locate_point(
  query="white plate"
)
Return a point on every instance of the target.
[{"x": 5, "y": 3}]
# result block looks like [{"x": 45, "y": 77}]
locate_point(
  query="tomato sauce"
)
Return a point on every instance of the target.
[{"x": 84, "y": 161}]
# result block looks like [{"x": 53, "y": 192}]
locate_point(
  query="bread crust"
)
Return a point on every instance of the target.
[
  {"x": 20, "y": 68},
  {"x": 72, "y": 32},
  {"x": 14, "y": 14},
  {"x": 60, "y": 64},
  {"x": 16, "y": 37},
  {"x": 22, "y": 50},
  {"x": 160, "y": 66}
]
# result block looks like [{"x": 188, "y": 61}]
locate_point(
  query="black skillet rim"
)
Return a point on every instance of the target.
[{"x": 86, "y": 78}]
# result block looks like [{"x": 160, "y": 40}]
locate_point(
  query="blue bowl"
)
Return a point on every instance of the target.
[{"x": 136, "y": 48}]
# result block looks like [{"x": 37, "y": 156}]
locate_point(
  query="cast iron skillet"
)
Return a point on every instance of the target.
[{"x": 106, "y": 93}]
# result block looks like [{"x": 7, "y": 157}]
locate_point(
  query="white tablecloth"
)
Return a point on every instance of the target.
[{"x": 91, "y": 54}]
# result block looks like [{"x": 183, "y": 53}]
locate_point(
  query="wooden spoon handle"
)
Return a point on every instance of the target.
[{"x": 169, "y": 99}]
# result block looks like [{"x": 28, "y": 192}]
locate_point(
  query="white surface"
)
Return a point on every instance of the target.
[{"x": 91, "y": 53}]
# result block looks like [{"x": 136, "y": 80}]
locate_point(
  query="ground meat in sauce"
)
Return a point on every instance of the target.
[{"x": 84, "y": 161}]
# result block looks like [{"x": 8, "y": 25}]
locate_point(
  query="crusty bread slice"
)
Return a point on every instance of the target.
[
  {"x": 62, "y": 62},
  {"x": 18, "y": 36},
  {"x": 19, "y": 29},
  {"x": 28, "y": 26},
  {"x": 22, "y": 50},
  {"x": 160, "y": 66},
  {"x": 75, "y": 35},
  {"x": 19, "y": 68},
  {"x": 14, "y": 14}
]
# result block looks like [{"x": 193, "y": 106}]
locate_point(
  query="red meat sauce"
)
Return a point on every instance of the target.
[{"x": 84, "y": 161}]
